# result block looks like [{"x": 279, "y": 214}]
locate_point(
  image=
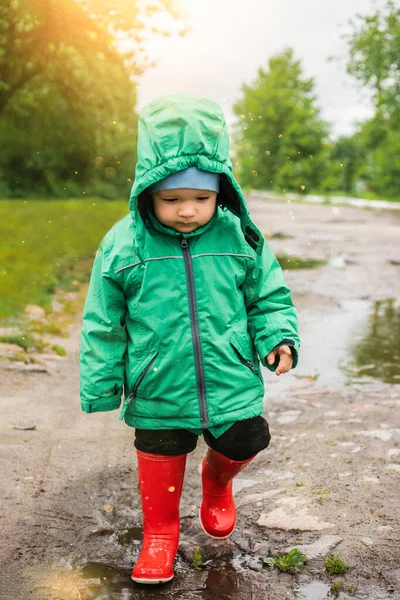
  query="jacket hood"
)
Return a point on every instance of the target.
[{"x": 180, "y": 131}]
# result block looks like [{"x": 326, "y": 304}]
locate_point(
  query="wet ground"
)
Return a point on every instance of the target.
[{"x": 329, "y": 483}]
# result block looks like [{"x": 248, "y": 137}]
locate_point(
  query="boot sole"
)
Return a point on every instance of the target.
[
  {"x": 152, "y": 581},
  {"x": 215, "y": 537}
]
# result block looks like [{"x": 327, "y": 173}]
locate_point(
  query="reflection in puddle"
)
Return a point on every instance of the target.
[
  {"x": 289, "y": 262},
  {"x": 376, "y": 352},
  {"x": 133, "y": 535},
  {"x": 316, "y": 590},
  {"x": 109, "y": 581},
  {"x": 220, "y": 584},
  {"x": 358, "y": 343}
]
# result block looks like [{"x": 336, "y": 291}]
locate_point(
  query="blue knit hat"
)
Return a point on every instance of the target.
[{"x": 192, "y": 178}]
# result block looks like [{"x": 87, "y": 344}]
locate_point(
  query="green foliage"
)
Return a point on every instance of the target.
[
  {"x": 336, "y": 588},
  {"x": 374, "y": 47},
  {"x": 351, "y": 589},
  {"x": 67, "y": 94},
  {"x": 335, "y": 565},
  {"x": 198, "y": 559},
  {"x": 23, "y": 340},
  {"x": 372, "y": 156},
  {"x": 59, "y": 350},
  {"x": 281, "y": 140},
  {"x": 41, "y": 241},
  {"x": 291, "y": 561}
]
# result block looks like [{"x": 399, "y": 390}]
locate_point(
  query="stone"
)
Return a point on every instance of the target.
[
  {"x": 262, "y": 548},
  {"x": 241, "y": 484},
  {"x": 100, "y": 531},
  {"x": 394, "y": 452},
  {"x": 393, "y": 467},
  {"x": 34, "y": 312},
  {"x": 25, "y": 426},
  {"x": 254, "y": 498},
  {"x": 380, "y": 434},
  {"x": 27, "y": 368},
  {"x": 30, "y": 522},
  {"x": 289, "y": 416},
  {"x": 367, "y": 541},
  {"x": 320, "y": 548},
  {"x": 10, "y": 350},
  {"x": 301, "y": 521}
]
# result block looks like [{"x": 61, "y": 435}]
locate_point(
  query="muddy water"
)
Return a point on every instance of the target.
[
  {"x": 356, "y": 344},
  {"x": 315, "y": 590},
  {"x": 108, "y": 581}
]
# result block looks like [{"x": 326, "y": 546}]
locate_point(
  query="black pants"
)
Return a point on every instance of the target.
[{"x": 239, "y": 442}]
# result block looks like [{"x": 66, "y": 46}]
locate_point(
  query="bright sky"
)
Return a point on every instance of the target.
[{"x": 230, "y": 39}]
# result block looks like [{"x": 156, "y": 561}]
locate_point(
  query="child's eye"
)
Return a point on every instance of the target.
[
  {"x": 202, "y": 197},
  {"x": 169, "y": 200}
]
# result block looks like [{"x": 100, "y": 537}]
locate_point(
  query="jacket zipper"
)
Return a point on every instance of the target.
[
  {"x": 198, "y": 357},
  {"x": 245, "y": 362},
  {"x": 139, "y": 380}
]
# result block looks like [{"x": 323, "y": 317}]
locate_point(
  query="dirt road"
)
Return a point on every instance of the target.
[{"x": 70, "y": 511}]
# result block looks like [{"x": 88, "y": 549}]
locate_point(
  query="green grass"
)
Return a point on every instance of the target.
[
  {"x": 336, "y": 588},
  {"x": 59, "y": 350},
  {"x": 42, "y": 240},
  {"x": 335, "y": 565},
  {"x": 24, "y": 340},
  {"x": 287, "y": 562},
  {"x": 351, "y": 589},
  {"x": 198, "y": 559}
]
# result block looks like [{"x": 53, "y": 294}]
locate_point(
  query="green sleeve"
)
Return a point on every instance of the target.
[
  {"x": 271, "y": 314},
  {"x": 103, "y": 340}
]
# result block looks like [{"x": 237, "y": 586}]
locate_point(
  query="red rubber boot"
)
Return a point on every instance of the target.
[
  {"x": 217, "y": 510},
  {"x": 160, "y": 482}
]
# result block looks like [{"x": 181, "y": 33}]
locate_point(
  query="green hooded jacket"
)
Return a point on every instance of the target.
[{"x": 177, "y": 323}]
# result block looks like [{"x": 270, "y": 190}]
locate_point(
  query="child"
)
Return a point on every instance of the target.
[{"x": 185, "y": 298}]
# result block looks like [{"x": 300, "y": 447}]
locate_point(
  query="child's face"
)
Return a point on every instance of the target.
[{"x": 184, "y": 209}]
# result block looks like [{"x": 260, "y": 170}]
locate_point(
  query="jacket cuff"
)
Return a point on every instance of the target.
[
  {"x": 274, "y": 341},
  {"x": 292, "y": 345},
  {"x": 102, "y": 404}
]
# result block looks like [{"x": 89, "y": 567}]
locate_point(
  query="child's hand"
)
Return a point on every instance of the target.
[{"x": 285, "y": 360}]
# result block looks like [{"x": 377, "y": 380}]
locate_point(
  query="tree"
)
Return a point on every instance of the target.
[
  {"x": 374, "y": 57},
  {"x": 346, "y": 160},
  {"x": 280, "y": 138},
  {"x": 67, "y": 93},
  {"x": 55, "y": 38},
  {"x": 374, "y": 51}
]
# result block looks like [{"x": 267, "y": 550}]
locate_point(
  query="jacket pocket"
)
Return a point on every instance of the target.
[
  {"x": 137, "y": 383},
  {"x": 243, "y": 356}
]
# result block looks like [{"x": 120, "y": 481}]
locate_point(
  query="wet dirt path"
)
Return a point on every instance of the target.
[{"x": 330, "y": 482}]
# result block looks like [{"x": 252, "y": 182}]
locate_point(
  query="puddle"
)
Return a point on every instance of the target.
[
  {"x": 316, "y": 590},
  {"x": 109, "y": 581},
  {"x": 358, "y": 344},
  {"x": 290, "y": 261},
  {"x": 376, "y": 350},
  {"x": 130, "y": 536}
]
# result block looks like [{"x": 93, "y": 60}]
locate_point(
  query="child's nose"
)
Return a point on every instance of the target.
[{"x": 187, "y": 210}]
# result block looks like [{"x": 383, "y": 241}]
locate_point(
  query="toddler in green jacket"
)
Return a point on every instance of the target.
[{"x": 185, "y": 299}]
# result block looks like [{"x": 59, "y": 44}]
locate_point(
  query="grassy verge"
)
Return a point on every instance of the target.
[{"x": 42, "y": 241}]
